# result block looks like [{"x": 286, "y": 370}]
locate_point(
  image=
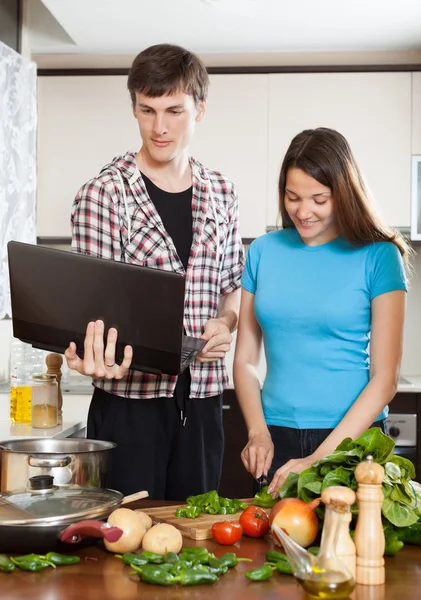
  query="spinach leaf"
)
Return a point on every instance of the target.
[{"x": 399, "y": 514}]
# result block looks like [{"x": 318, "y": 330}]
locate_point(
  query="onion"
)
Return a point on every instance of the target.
[{"x": 297, "y": 518}]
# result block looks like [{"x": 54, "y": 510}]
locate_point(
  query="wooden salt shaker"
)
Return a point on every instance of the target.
[
  {"x": 54, "y": 362},
  {"x": 341, "y": 499},
  {"x": 369, "y": 536}
]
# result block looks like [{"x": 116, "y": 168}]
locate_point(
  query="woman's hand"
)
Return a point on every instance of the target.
[
  {"x": 96, "y": 361},
  {"x": 258, "y": 454},
  {"x": 295, "y": 465}
]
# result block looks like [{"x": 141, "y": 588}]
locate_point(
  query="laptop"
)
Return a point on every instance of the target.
[{"x": 55, "y": 293}]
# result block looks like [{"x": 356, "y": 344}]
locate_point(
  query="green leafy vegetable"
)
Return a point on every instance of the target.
[
  {"x": 400, "y": 506},
  {"x": 210, "y": 503}
]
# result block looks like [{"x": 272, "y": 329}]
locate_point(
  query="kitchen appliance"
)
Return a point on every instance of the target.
[
  {"x": 70, "y": 461},
  {"x": 43, "y": 517},
  {"x": 402, "y": 428}
]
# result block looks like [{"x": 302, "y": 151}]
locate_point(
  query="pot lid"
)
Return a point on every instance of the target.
[{"x": 43, "y": 503}]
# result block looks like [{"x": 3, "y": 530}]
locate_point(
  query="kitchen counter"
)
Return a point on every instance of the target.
[
  {"x": 101, "y": 575},
  {"x": 75, "y": 411}
]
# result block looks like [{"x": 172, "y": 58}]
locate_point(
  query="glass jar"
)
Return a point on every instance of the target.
[{"x": 44, "y": 401}]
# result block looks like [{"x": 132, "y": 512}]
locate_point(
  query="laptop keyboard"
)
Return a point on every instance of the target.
[{"x": 186, "y": 354}]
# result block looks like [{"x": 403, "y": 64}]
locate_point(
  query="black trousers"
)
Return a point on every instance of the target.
[
  {"x": 171, "y": 447},
  {"x": 298, "y": 443}
]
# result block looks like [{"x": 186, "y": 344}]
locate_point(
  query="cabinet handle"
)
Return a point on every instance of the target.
[{"x": 226, "y": 407}]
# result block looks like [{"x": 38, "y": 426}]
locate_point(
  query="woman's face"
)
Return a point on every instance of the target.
[{"x": 311, "y": 208}]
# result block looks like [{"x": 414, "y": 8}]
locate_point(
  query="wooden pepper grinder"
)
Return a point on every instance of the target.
[
  {"x": 54, "y": 362},
  {"x": 341, "y": 499},
  {"x": 369, "y": 536}
]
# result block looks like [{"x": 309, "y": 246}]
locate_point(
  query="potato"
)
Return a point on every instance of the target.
[
  {"x": 133, "y": 531},
  {"x": 162, "y": 538},
  {"x": 144, "y": 518}
]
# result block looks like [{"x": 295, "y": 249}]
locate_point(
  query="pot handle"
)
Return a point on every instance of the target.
[
  {"x": 77, "y": 531},
  {"x": 49, "y": 463}
]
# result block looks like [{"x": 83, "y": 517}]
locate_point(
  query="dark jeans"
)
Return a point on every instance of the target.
[
  {"x": 155, "y": 451},
  {"x": 298, "y": 443}
]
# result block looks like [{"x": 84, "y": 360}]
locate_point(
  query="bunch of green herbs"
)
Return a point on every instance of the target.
[{"x": 401, "y": 495}]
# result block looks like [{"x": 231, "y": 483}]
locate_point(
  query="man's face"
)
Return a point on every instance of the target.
[{"x": 167, "y": 123}]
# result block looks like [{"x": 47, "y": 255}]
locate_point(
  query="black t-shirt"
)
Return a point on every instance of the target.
[{"x": 175, "y": 210}]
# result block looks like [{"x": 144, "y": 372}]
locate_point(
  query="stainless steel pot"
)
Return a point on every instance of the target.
[{"x": 74, "y": 461}]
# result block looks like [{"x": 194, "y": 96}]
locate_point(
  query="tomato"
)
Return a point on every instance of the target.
[
  {"x": 255, "y": 521},
  {"x": 227, "y": 532}
]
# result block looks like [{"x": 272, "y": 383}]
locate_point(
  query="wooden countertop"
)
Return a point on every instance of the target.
[{"x": 101, "y": 576}]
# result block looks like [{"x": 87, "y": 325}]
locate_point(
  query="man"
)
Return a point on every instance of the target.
[{"x": 161, "y": 208}]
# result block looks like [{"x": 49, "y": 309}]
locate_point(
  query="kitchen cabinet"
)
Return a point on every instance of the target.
[
  {"x": 372, "y": 110},
  {"x": 232, "y": 138},
  {"x": 416, "y": 113},
  {"x": 236, "y": 482},
  {"x": 83, "y": 122}
]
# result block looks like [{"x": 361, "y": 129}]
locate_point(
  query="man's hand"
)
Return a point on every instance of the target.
[
  {"x": 218, "y": 338},
  {"x": 96, "y": 362},
  {"x": 295, "y": 465}
]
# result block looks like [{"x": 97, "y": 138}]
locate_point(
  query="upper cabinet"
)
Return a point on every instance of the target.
[
  {"x": 232, "y": 138},
  {"x": 372, "y": 110},
  {"x": 83, "y": 123},
  {"x": 416, "y": 113}
]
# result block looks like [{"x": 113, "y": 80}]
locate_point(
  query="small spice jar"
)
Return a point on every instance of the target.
[{"x": 44, "y": 401}]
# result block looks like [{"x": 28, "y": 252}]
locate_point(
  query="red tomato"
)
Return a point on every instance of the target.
[
  {"x": 255, "y": 521},
  {"x": 227, "y": 532}
]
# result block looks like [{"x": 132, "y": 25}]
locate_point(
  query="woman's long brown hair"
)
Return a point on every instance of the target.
[{"x": 325, "y": 155}]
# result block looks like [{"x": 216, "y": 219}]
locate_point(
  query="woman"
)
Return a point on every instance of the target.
[{"x": 326, "y": 294}]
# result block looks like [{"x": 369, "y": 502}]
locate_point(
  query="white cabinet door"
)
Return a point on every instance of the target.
[
  {"x": 416, "y": 113},
  {"x": 83, "y": 123},
  {"x": 372, "y": 110},
  {"x": 232, "y": 139}
]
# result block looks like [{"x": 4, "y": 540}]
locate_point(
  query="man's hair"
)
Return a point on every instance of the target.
[{"x": 165, "y": 69}]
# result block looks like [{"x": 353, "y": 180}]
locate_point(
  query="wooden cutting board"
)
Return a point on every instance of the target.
[{"x": 196, "y": 529}]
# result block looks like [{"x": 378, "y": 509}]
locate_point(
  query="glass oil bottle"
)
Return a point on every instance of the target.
[{"x": 329, "y": 578}]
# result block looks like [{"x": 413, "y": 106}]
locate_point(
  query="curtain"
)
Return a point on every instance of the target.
[{"x": 18, "y": 121}]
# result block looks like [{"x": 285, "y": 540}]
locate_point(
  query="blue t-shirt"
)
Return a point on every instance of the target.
[{"x": 313, "y": 304}]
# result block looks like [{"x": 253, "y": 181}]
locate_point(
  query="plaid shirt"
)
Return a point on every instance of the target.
[{"x": 100, "y": 228}]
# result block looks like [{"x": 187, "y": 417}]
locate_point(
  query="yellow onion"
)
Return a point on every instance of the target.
[{"x": 297, "y": 518}]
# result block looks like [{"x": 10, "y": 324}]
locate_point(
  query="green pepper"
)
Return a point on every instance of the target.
[
  {"x": 181, "y": 512},
  {"x": 260, "y": 574},
  {"x": 33, "y": 565},
  {"x": 152, "y": 557},
  {"x": 191, "y": 577},
  {"x": 6, "y": 565},
  {"x": 61, "y": 559},
  {"x": 155, "y": 574},
  {"x": 284, "y": 567},
  {"x": 195, "y": 553},
  {"x": 180, "y": 565},
  {"x": 410, "y": 534},
  {"x": 171, "y": 557},
  {"x": 130, "y": 558},
  {"x": 230, "y": 559},
  {"x": 264, "y": 499},
  {"x": 392, "y": 543},
  {"x": 25, "y": 558},
  {"x": 274, "y": 556}
]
